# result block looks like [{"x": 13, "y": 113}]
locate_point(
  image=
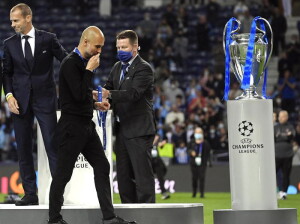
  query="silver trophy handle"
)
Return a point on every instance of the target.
[
  {"x": 224, "y": 33},
  {"x": 271, "y": 40}
]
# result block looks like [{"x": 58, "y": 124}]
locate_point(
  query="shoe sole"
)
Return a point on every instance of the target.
[{"x": 28, "y": 204}]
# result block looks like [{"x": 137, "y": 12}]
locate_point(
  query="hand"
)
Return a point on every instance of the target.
[
  {"x": 93, "y": 63},
  {"x": 193, "y": 153},
  {"x": 162, "y": 143},
  {"x": 95, "y": 95},
  {"x": 105, "y": 93},
  {"x": 103, "y": 106},
  {"x": 13, "y": 105}
]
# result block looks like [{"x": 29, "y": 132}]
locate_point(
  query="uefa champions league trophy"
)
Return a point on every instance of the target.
[
  {"x": 243, "y": 61},
  {"x": 250, "y": 130}
]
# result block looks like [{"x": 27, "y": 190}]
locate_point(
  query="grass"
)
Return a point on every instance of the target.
[
  {"x": 212, "y": 201},
  {"x": 2, "y": 196}
]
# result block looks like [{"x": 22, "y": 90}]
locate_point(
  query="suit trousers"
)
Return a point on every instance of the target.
[
  {"x": 134, "y": 169},
  {"x": 23, "y": 126},
  {"x": 198, "y": 175},
  {"x": 75, "y": 136},
  {"x": 160, "y": 170},
  {"x": 285, "y": 164}
]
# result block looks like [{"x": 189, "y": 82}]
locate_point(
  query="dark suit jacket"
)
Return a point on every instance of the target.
[
  {"x": 38, "y": 83},
  {"x": 133, "y": 100},
  {"x": 1, "y": 76},
  {"x": 192, "y": 146}
]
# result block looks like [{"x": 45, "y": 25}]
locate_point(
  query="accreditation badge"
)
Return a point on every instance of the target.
[
  {"x": 198, "y": 161},
  {"x": 154, "y": 153}
]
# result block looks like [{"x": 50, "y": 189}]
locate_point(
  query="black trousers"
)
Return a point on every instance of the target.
[
  {"x": 23, "y": 126},
  {"x": 285, "y": 165},
  {"x": 79, "y": 136},
  {"x": 198, "y": 175},
  {"x": 134, "y": 169},
  {"x": 160, "y": 170},
  {"x": 278, "y": 39}
]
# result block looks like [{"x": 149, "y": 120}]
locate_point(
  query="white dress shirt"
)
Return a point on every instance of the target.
[{"x": 31, "y": 40}]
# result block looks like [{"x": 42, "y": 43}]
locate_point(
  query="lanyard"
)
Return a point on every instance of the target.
[
  {"x": 80, "y": 55},
  {"x": 101, "y": 115},
  {"x": 199, "y": 149},
  {"x": 85, "y": 61}
]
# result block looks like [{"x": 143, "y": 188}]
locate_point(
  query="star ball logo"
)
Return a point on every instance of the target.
[
  {"x": 248, "y": 145},
  {"x": 245, "y": 128}
]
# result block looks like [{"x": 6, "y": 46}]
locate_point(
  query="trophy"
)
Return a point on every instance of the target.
[
  {"x": 248, "y": 55},
  {"x": 250, "y": 130}
]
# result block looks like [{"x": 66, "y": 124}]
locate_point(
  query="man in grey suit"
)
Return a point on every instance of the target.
[{"x": 130, "y": 91}]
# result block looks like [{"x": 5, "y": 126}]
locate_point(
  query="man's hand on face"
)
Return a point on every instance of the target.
[{"x": 93, "y": 63}]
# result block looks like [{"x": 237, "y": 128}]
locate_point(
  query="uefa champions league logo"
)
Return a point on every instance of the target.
[
  {"x": 249, "y": 145},
  {"x": 245, "y": 128}
]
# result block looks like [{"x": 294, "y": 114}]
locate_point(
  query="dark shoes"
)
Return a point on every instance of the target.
[
  {"x": 28, "y": 200},
  {"x": 118, "y": 220},
  {"x": 59, "y": 222},
  {"x": 165, "y": 196}
]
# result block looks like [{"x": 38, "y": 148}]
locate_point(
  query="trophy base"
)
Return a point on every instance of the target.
[
  {"x": 276, "y": 216},
  {"x": 250, "y": 94}
]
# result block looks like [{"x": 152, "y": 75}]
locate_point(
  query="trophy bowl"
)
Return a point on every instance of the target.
[
  {"x": 247, "y": 54},
  {"x": 238, "y": 53}
]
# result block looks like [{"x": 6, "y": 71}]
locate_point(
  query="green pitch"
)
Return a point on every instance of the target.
[{"x": 211, "y": 202}]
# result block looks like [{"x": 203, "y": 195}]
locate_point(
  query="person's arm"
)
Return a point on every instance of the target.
[
  {"x": 57, "y": 49},
  {"x": 292, "y": 85},
  {"x": 190, "y": 150},
  {"x": 103, "y": 106},
  {"x": 156, "y": 140},
  {"x": 77, "y": 83},
  {"x": 7, "y": 70},
  {"x": 281, "y": 85},
  {"x": 140, "y": 83},
  {"x": 109, "y": 85},
  {"x": 291, "y": 133},
  {"x": 7, "y": 80},
  {"x": 282, "y": 135}
]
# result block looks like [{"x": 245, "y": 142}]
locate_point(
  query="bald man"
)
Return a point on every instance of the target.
[
  {"x": 284, "y": 136},
  {"x": 76, "y": 131}
]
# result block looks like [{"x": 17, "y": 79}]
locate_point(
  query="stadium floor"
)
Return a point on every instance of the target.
[{"x": 211, "y": 202}]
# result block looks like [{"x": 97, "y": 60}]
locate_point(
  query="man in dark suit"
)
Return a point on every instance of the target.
[
  {"x": 30, "y": 91},
  {"x": 130, "y": 90},
  {"x": 199, "y": 151}
]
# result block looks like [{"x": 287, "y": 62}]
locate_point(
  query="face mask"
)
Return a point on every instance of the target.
[
  {"x": 221, "y": 126},
  {"x": 125, "y": 56},
  {"x": 198, "y": 136}
]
